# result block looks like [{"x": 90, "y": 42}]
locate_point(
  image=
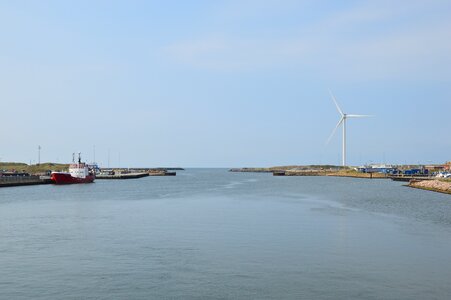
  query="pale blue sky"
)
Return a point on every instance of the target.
[{"x": 225, "y": 83}]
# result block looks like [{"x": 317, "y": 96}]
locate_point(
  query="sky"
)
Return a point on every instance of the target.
[{"x": 225, "y": 83}]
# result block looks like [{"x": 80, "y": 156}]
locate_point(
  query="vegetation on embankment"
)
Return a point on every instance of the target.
[
  {"x": 313, "y": 170},
  {"x": 291, "y": 168},
  {"x": 32, "y": 169},
  {"x": 336, "y": 173},
  {"x": 356, "y": 174},
  {"x": 441, "y": 186}
]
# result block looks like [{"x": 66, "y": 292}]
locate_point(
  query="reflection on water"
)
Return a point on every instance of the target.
[{"x": 212, "y": 234}]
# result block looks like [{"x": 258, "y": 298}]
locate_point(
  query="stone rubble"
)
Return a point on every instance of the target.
[{"x": 436, "y": 185}]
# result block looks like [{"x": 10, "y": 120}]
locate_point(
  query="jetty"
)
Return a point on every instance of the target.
[
  {"x": 161, "y": 173},
  {"x": 331, "y": 173},
  {"x": 299, "y": 173},
  {"x": 251, "y": 170},
  {"x": 133, "y": 174},
  {"x": 408, "y": 178},
  {"x": 122, "y": 176}
]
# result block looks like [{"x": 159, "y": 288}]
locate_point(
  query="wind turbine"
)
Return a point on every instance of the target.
[{"x": 343, "y": 119}]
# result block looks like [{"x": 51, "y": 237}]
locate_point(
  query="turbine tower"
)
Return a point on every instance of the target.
[{"x": 343, "y": 119}]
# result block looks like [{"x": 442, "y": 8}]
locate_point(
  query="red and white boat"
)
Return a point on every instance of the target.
[{"x": 79, "y": 172}]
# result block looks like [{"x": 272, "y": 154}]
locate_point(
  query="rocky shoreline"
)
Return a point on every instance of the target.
[{"x": 432, "y": 185}]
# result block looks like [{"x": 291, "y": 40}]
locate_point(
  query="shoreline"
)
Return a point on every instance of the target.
[
  {"x": 305, "y": 171},
  {"x": 438, "y": 186}
]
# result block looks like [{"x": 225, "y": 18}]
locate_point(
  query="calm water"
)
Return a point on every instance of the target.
[{"x": 210, "y": 234}]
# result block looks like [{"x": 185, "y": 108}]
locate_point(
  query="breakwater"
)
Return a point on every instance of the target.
[
  {"x": 252, "y": 170},
  {"x": 122, "y": 176},
  {"x": 299, "y": 173},
  {"x": 330, "y": 173},
  {"x": 312, "y": 170},
  {"x": 360, "y": 175},
  {"x": 134, "y": 175},
  {"x": 161, "y": 173},
  {"x": 432, "y": 185},
  {"x": 408, "y": 178}
]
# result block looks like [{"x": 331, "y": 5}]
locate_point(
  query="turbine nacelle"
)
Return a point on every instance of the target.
[{"x": 357, "y": 116}]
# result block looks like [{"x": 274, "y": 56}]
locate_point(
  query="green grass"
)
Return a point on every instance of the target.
[{"x": 33, "y": 169}]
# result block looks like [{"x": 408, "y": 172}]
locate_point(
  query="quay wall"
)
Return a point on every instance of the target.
[
  {"x": 122, "y": 176},
  {"x": 22, "y": 180}
]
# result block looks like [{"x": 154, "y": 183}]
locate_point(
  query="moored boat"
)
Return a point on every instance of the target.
[{"x": 79, "y": 172}]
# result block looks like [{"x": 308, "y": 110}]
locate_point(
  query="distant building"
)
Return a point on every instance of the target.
[
  {"x": 447, "y": 166},
  {"x": 386, "y": 169},
  {"x": 435, "y": 168},
  {"x": 421, "y": 171}
]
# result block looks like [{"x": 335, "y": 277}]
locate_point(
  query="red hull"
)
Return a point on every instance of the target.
[{"x": 66, "y": 178}]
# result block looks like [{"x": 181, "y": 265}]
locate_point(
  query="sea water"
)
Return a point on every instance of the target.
[{"x": 212, "y": 234}]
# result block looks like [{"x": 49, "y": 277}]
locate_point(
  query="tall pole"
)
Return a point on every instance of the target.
[
  {"x": 39, "y": 155},
  {"x": 344, "y": 141},
  {"x": 94, "y": 150}
]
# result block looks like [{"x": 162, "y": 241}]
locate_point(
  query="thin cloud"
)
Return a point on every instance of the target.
[
  {"x": 379, "y": 40},
  {"x": 234, "y": 53}
]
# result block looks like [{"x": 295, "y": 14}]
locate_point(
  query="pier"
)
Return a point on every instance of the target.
[
  {"x": 18, "y": 180},
  {"x": 329, "y": 173},
  {"x": 123, "y": 176},
  {"x": 408, "y": 178},
  {"x": 133, "y": 174}
]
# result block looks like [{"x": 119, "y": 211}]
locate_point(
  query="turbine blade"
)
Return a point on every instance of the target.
[
  {"x": 358, "y": 116},
  {"x": 335, "y": 129},
  {"x": 336, "y": 103}
]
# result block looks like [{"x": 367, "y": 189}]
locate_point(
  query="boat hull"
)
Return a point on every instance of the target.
[{"x": 66, "y": 178}]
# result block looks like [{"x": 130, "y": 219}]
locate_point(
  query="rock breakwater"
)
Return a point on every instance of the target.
[{"x": 432, "y": 185}]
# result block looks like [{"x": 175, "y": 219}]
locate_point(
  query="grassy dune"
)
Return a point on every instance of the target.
[{"x": 32, "y": 169}]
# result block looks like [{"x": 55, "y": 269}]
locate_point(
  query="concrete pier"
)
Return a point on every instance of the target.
[
  {"x": 409, "y": 178},
  {"x": 23, "y": 180},
  {"x": 123, "y": 176}
]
